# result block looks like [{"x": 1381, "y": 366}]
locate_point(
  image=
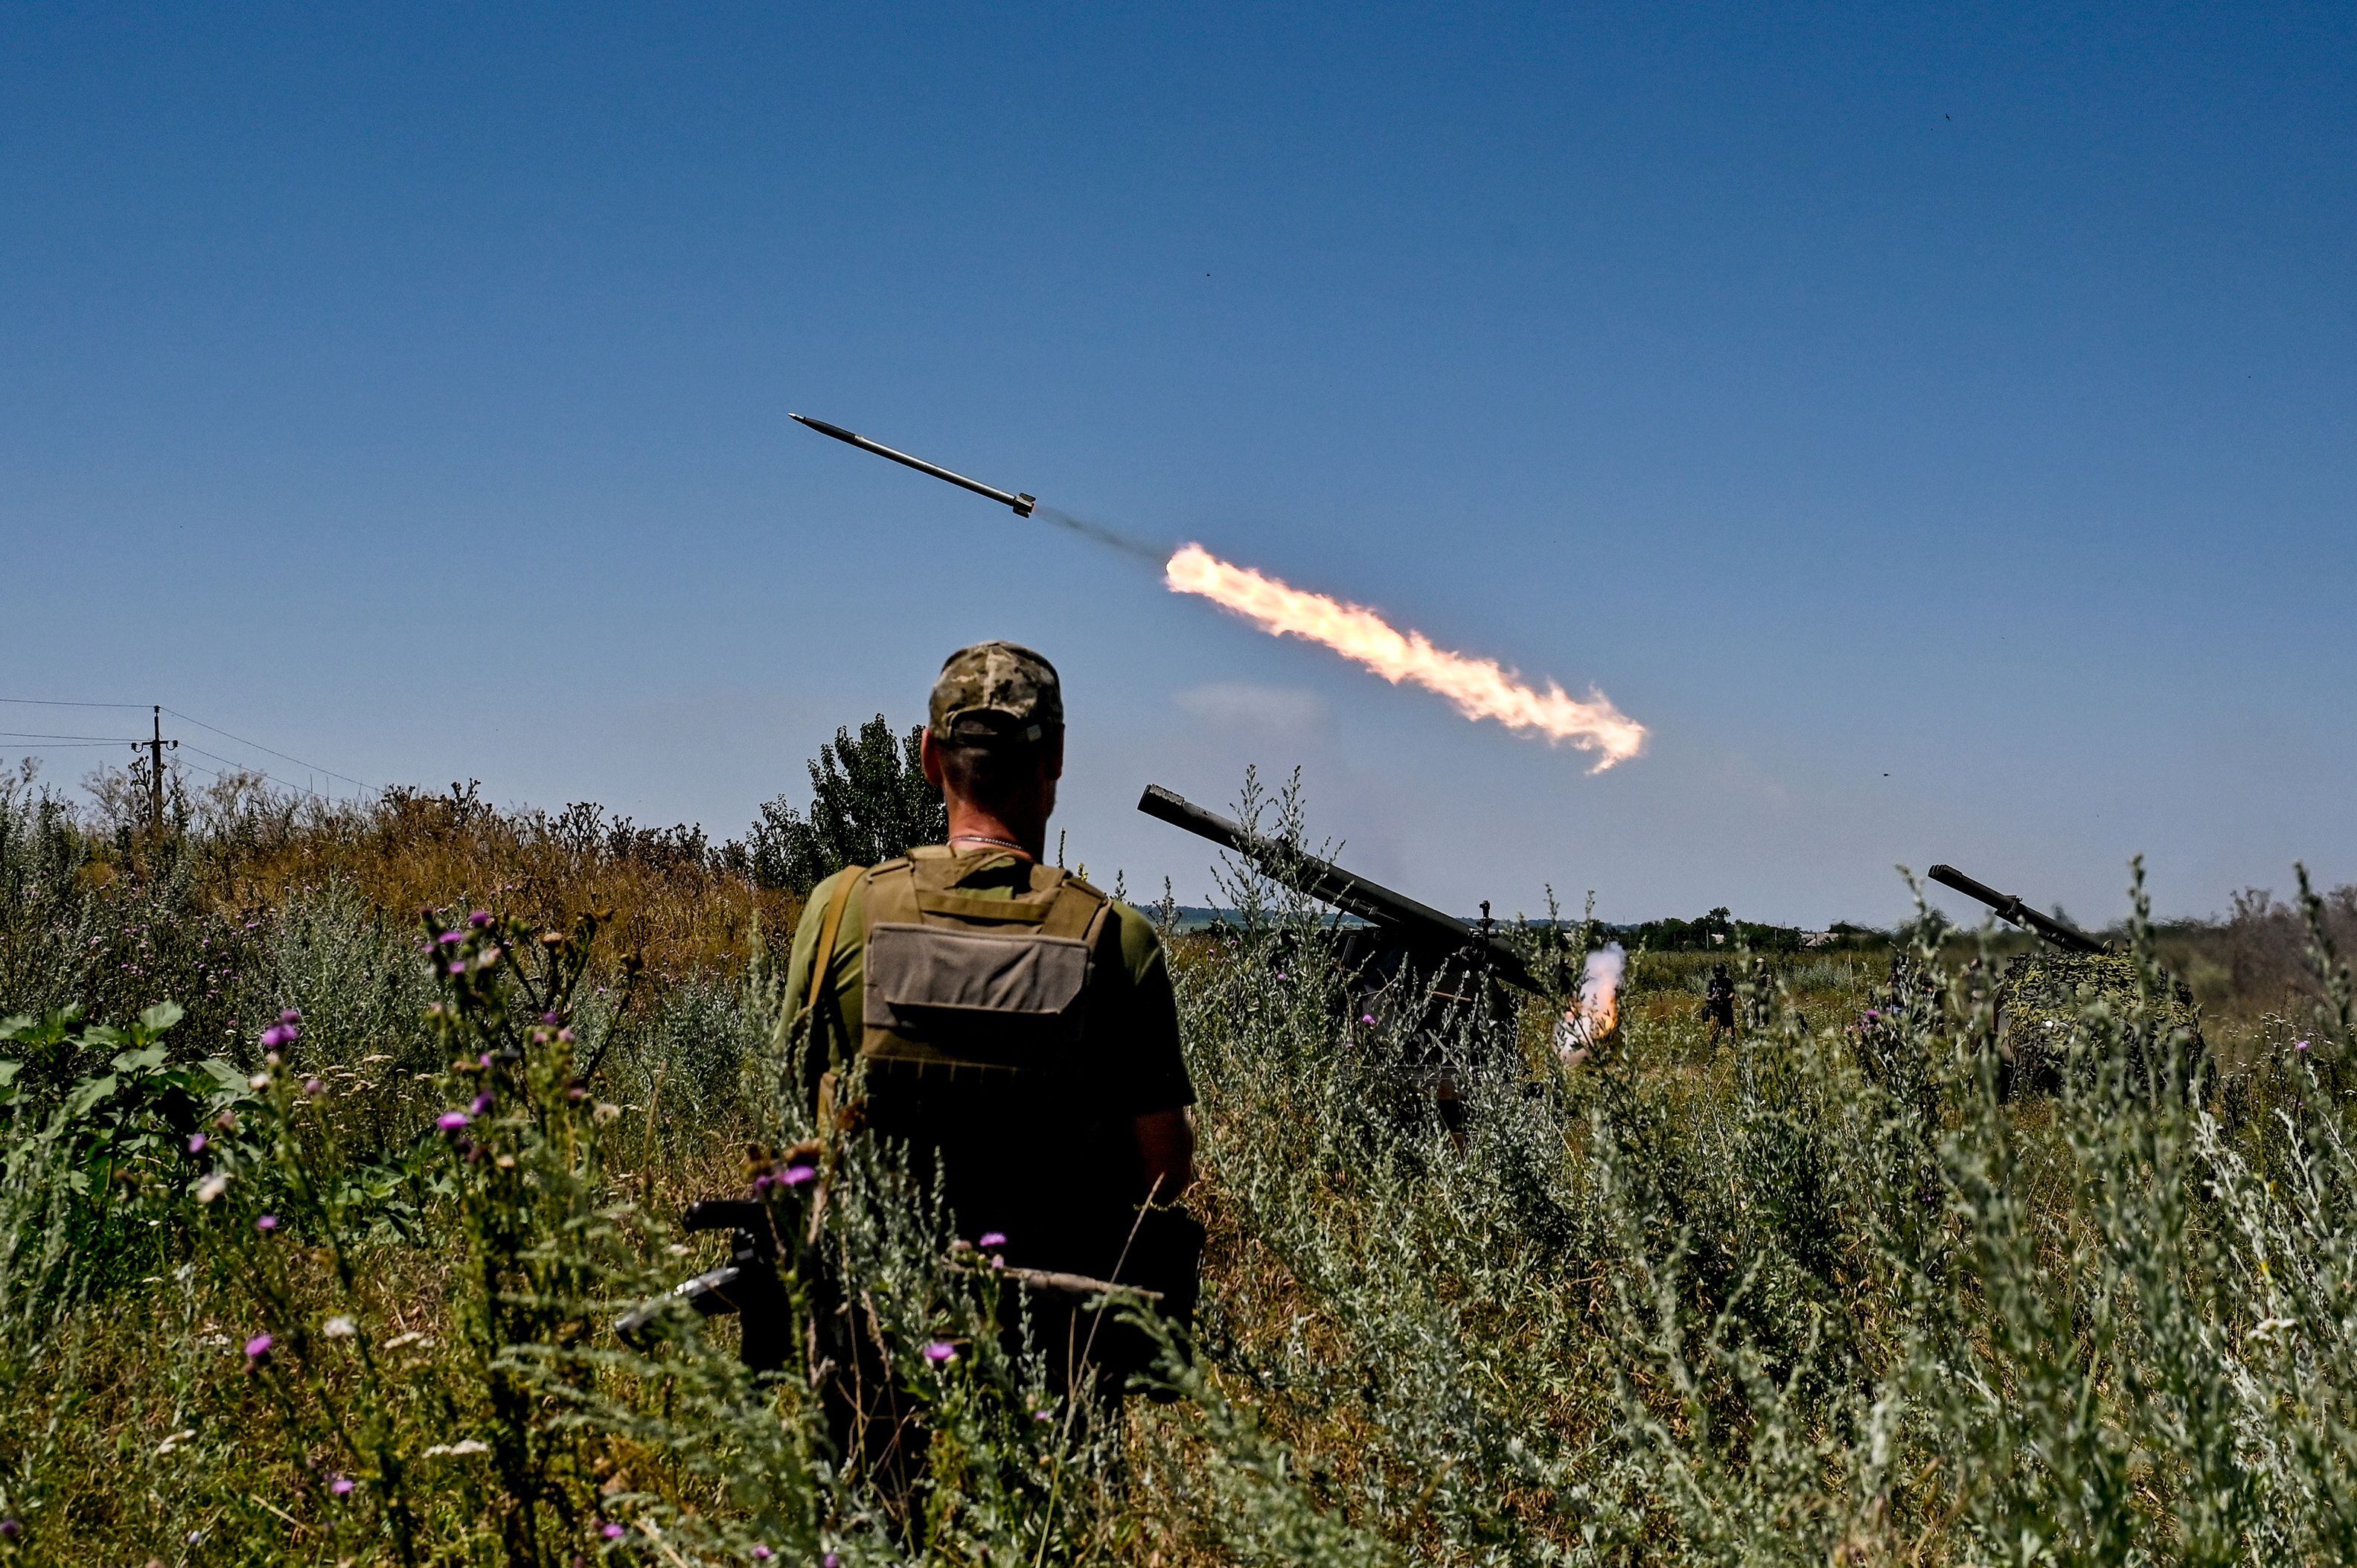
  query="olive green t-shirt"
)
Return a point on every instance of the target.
[{"x": 1130, "y": 1041}]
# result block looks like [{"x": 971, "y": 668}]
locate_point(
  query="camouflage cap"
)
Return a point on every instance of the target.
[{"x": 997, "y": 692}]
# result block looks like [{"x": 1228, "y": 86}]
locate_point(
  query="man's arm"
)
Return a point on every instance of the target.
[
  {"x": 1166, "y": 1153},
  {"x": 1155, "y": 1091},
  {"x": 801, "y": 982}
]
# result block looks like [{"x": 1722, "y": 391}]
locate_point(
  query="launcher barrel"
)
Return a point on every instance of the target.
[
  {"x": 1424, "y": 930},
  {"x": 2010, "y": 908}
]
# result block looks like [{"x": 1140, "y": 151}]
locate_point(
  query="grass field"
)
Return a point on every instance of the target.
[{"x": 1818, "y": 1295}]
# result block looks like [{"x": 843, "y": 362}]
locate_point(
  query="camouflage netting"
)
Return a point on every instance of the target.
[{"x": 2046, "y": 993}]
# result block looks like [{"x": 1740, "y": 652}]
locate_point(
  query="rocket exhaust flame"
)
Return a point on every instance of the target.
[
  {"x": 1591, "y": 1019},
  {"x": 1477, "y": 688}
]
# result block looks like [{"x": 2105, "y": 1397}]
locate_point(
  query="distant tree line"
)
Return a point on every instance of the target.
[{"x": 1719, "y": 928}]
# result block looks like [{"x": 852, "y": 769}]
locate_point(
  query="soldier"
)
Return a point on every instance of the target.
[
  {"x": 1012, "y": 1027},
  {"x": 1718, "y": 1004}
]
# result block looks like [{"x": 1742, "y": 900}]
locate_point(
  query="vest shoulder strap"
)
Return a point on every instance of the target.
[
  {"x": 1079, "y": 910},
  {"x": 892, "y": 895},
  {"x": 829, "y": 929}
]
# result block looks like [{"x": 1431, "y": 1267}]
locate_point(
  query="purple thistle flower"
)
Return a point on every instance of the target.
[
  {"x": 483, "y": 1061},
  {"x": 291, "y": 1016},
  {"x": 314, "y": 1088},
  {"x": 452, "y": 1120},
  {"x": 1368, "y": 1019},
  {"x": 482, "y": 1106},
  {"x": 197, "y": 1143},
  {"x": 457, "y": 967},
  {"x": 612, "y": 1532},
  {"x": 266, "y": 1223},
  {"x": 763, "y": 1183},
  {"x": 551, "y": 1018},
  {"x": 451, "y": 939},
  {"x": 992, "y": 1239},
  {"x": 341, "y": 1486},
  {"x": 2299, "y": 1045},
  {"x": 941, "y": 1352},
  {"x": 479, "y": 918},
  {"x": 760, "y": 1553},
  {"x": 797, "y": 1174},
  {"x": 10, "y": 1529},
  {"x": 830, "y": 1561},
  {"x": 257, "y": 1349},
  {"x": 277, "y": 1034}
]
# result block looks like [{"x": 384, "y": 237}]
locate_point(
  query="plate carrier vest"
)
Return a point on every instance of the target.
[{"x": 979, "y": 996}]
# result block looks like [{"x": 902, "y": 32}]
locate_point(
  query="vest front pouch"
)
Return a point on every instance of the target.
[{"x": 955, "y": 996}]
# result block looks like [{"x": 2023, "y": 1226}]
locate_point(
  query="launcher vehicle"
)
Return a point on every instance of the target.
[{"x": 2042, "y": 992}]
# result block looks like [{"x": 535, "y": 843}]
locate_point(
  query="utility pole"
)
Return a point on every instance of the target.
[{"x": 156, "y": 776}]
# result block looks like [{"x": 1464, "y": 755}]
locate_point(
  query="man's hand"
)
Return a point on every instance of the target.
[{"x": 1166, "y": 1153}]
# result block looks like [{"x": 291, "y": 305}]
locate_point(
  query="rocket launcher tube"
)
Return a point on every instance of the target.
[
  {"x": 1416, "y": 924},
  {"x": 2010, "y": 908}
]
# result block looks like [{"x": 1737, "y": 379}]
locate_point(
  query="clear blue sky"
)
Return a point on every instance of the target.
[{"x": 1937, "y": 426}]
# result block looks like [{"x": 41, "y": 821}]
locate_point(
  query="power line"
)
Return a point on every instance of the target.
[
  {"x": 359, "y": 784},
  {"x": 94, "y": 740},
  {"x": 356, "y": 783},
  {"x": 241, "y": 768},
  {"x": 47, "y": 703}
]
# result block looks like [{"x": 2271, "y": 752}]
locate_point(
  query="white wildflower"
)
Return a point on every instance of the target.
[
  {"x": 338, "y": 1327},
  {"x": 212, "y": 1187}
]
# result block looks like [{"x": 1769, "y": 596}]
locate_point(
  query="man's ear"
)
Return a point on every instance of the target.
[{"x": 928, "y": 757}]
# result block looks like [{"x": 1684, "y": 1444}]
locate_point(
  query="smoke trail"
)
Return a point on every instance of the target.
[
  {"x": 1477, "y": 688},
  {"x": 1122, "y": 542}
]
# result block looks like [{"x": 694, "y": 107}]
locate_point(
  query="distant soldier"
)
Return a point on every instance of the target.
[
  {"x": 1014, "y": 1026},
  {"x": 1718, "y": 1005}
]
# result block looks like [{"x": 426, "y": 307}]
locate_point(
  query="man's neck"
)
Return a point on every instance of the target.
[{"x": 972, "y": 825}]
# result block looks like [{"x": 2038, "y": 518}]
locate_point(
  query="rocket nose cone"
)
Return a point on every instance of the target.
[{"x": 821, "y": 427}]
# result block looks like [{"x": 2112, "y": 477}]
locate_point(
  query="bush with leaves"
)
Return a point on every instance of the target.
[{"x": 869, "y": 802}]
